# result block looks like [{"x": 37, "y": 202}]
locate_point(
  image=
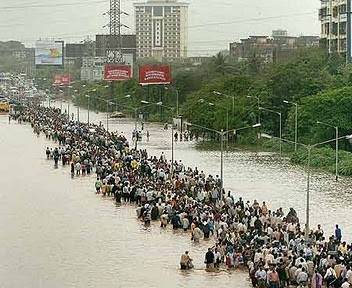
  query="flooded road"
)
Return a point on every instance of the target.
[{"x": 57, "y": 233}]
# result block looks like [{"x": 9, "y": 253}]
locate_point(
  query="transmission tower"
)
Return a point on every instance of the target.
[{"x": 115, "y": 42}]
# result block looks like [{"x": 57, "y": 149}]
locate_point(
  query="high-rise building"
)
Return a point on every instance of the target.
[
  {"x": 161, "y": 29},
  {"x": 333, "y": 19}
]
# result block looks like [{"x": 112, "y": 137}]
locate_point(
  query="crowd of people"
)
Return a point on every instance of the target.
[{"x": 271, "y": 243}]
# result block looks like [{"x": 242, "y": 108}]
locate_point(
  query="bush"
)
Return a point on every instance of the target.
[{"x": 324, "y": 158}]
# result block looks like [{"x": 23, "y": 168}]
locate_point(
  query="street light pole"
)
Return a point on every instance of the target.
[
  {"x": 176, "y": 102},
  {"x": 296, "y": 126},
  {"x": 337, "y": 154},
  {"x": 172, "y": 130},
  {"x": 135, "y": 128},
  {"x": 258, "y": 105},
  {"x": 107, "y": 116},
  {"x": 172, "y": 148},
  {"x": 88, "y": 109},
  {"x": 88, "y": 97},
  {"x": 336, "y": 147},
  {"x": 177, "y": 94},
  {"x": 221, "y": 160},
  {"x": 280, "y": 115},
  {"x": 232, "y": 97},
  {"x": 309, "y": 147},
  {"x": 296, "y": 121},
  {"x": 222, "y": 133}
]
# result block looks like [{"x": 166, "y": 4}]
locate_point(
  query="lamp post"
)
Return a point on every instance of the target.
[
  {"x": 296, "y": 121},
  {"x": 88, "y": 104},
  {"x": 172, "y": 135},
  {"x": 177, "y": 94},
  {"x": 258, "y": 105},
  {"x": 74, "y": 97},
  {"x": 61, "y": 92},
  {"x": 280, "y": 115},
  {"x": 336, "y": 147},
  {"x": 135, "y": 109},
  {"x": 107, "y": 113},
  {"x": 228, "y": 96},
  {"x": 88, "y": 100},
  {"x": 172, "y": 129},
  {"x": 68, "y": 101},
  {"x": 201, "y": 100},
  {"x": 309, "y": 149},
  {"x": 222, "y": 133}
]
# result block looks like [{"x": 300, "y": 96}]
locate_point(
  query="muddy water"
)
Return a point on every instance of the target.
[{"x": 55, "y": 232}]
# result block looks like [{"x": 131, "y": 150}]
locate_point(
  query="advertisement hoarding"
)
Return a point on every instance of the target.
[
  {"x": 154, "y": 74},
  {"x": 49, "y": 52},
  {"x": 61, "y": 79},
  {"x": 117, "y": 72}
]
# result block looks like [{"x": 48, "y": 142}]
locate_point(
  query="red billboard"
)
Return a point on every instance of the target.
[
  {"x": 117, "y": 72},
  {"x": 154, "y": 74},
  {"x": 61, "y": 79}
]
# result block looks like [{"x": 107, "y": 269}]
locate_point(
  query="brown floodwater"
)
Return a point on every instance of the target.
[{"x": 55, "y": 232}]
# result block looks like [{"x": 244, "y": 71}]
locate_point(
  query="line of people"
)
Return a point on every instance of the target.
[{"x": 271, "y": 243}]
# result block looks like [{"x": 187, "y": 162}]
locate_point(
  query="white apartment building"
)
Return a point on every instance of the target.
[
  {"x": 161, "y": 29},
  {"x": 333, "y": 18}
]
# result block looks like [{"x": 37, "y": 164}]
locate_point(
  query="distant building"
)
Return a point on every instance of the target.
[
  {"x": 333, "y": 19},
  {"x": 161, "y": 29},
  {"x": 93, "y": 67},
  {"x": 15, "y": 49},
  {"x": 74, "y": 52},
  {"x": 279, "y": 45}
]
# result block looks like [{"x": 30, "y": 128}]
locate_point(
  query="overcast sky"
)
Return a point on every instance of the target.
[{"x": 212, "y": 23}]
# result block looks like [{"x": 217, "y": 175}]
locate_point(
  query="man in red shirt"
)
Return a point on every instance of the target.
[{"x": 273, "y": 278}]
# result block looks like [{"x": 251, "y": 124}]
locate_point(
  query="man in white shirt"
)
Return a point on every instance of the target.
[
  {"x": 302, "y": 277},
  {"x": 345, "y": 284},
  {"x": 349, "y": 274}
]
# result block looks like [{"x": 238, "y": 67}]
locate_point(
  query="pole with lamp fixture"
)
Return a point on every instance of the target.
[
  {"x": 336, "y": 147},
  {"x": 280, "y": 115},
  {"x": 296, "y": 121},
  {"x": 309, "y": 149},
  {"x": 222, "y": 133},
  {"x": 228, "y": 96},
  {"x": 258, "y": 105}
]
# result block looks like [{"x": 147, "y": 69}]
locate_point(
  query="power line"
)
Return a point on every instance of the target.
[
  {"x": 35, "y": 5},
  {"x": 250, "y": 20},
  {"x": 62, "y": 21}
]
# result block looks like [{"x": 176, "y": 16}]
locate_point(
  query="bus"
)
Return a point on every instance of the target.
[{"x": 4, "y": 105}]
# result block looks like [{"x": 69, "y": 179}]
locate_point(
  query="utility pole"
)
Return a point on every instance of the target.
[{"x": 348, "y": 43}]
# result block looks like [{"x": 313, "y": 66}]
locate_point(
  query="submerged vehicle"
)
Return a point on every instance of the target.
[{"x": 117, "y": 115}]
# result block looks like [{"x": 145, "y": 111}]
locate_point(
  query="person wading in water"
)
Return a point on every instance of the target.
[{"x": 186, "y": 261}]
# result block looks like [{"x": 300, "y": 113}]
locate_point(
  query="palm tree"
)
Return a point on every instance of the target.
[{"x": 219, "y": 63}]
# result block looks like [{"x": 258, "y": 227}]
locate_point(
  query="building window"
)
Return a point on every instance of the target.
[
  {"x": 167, "y": 9},
  {"x": 158, "y": 11}
]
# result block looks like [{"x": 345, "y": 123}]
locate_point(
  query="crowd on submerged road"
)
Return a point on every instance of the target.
[{"x": 270, "y": 242}]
